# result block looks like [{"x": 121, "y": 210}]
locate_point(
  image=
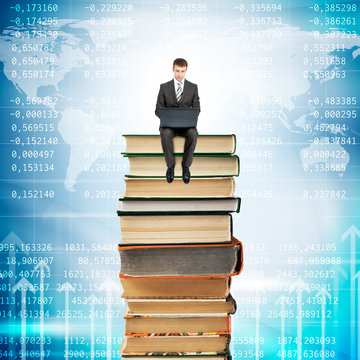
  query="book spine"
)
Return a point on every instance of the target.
[
  {"x": 233, "y": 302},
  {"x": 238, "y": 205},
  {"x": 232, "y": 187},
  {"x": 228, "y": 339},
  {"x": 239, "y": 263},
  {"x": 234, "y": 148},
  {"x": 228, "y": 323},
  {"x": 238, "y": 165}
]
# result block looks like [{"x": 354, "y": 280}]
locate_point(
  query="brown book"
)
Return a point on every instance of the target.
[
  {"x": 177, "y": 357},
  {"x": 175, "y": 229},
  {"x": 211, "y": 344},
  {"x": 196, "y": 188},
  {"x": 168, "y": 288},
  {"x": 151, "y": 144},
  {"x": 202, "y": 166},
  {"x": 167, "y": 307},
  {"x": 189, "y": 326}
]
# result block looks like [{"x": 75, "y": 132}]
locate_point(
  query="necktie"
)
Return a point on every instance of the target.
[{"x": 178, "y": 93}]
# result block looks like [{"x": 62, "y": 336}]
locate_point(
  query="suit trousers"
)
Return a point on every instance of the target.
[{"x": 167, "y": 135}]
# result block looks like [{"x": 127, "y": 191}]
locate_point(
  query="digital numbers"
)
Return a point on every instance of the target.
[{"x": 77, "y": 75}]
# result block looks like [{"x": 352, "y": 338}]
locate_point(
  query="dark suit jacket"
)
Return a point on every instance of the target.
[{"x": 167, "y": 96}]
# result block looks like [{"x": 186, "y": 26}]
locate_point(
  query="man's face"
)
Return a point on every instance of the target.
[{"x": 179, "y": 72}]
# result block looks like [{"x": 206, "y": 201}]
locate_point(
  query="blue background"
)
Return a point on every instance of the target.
[{"x": 283, "y": 76}]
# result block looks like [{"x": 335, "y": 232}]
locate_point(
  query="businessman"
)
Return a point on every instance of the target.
[{"x": 178, "y": 92}]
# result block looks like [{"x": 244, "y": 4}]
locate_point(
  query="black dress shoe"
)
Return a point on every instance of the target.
[
  {"x": 170, "y": 174},
  {"x": 186, "y": 175}
]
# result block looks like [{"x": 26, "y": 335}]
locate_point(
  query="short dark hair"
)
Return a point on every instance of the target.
[{"x": 180, "y": 62}]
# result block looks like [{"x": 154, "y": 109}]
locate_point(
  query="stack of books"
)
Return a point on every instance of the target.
[{"x": 178, "y": 253}]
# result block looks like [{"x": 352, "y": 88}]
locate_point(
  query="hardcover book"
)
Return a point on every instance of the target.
[
  {"x": 177, "y": 357},
  {"x": 202, "y": 166},
  {"x": 175, "y": 229},
  {"x": 148, "y": 345},
  {"x": 175, "y": 325},
  {"x": 178, "y": 288},
  {"x": 142, "y": 205},
  {"x": 205, "y": 260},
  {"x": 197, "y": 187},
  {"x": 167, "y": 307},
  {"x": 206, "y": 144}
]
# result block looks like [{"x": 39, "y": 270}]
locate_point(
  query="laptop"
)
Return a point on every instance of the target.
[{"x": 179, "y": 117}]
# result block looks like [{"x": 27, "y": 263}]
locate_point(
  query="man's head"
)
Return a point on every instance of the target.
[{"x": 179, "y": 68}]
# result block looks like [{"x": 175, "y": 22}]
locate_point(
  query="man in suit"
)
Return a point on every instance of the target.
[{"x": 178, "y": 92}]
